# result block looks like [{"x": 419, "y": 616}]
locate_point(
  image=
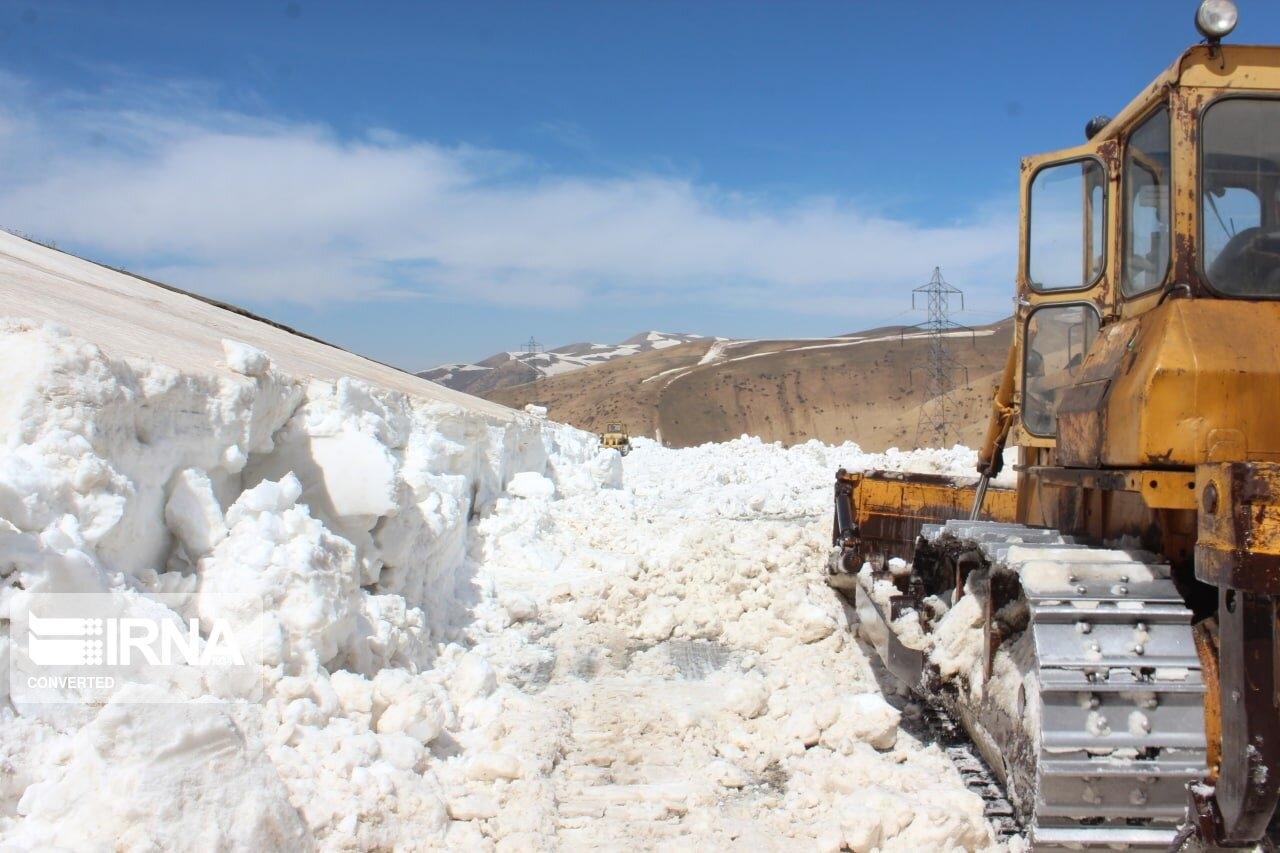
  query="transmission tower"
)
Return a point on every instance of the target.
[
  {"x": 531, "y": 346},
  {"x": 939, "y": 413}
]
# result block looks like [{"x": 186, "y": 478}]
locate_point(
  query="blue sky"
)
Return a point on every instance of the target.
[{"x": 428, "y": 182}]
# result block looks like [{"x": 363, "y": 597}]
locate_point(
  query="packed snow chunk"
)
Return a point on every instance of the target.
[
  {"x": 408, "y": 704},
  {"x": 56, "y": 560},
  {"x": 809, "y": 621},
  {"x": 532, "y": 486},
  {"x": 862, "y": 718},
  {"x": 244, "y": 359},
  {"x": 536, "y": 411},
  {"x": 747, "y": 697},
  {"x": 878, "y": 818},
  {"x": 306, "y": 576},
  {"x": 160, "y": 777},
  {"x": 802, "y": 725},
  {"x": 519, "y": 607},
  {"x": 473, "y": 807},
  {"x": 656, "y": 624},
  {"x": 193, "y": 513},
  {"x": 339, "y": 444},
  {"x": 578, "y": 464},
  {"x": 358, "y": 474},
  {"x": 727, "y": 775},
  {"x": 473, "y": 678},
  {"x": 343, "y": 445},
  {"x": 606, "y": 469},
  {"x": 957, "y": 638},
  {"x": 491, "y": 766}
]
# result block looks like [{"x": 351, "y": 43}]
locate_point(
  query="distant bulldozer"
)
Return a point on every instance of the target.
[{"x": 615, "y": 436}]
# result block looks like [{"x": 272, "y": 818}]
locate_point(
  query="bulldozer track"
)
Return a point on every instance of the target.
[
  {"x": 1118, "y": 726},
  {"x": 932, "y": 724},
  {"x": 1090, "y": 723}
]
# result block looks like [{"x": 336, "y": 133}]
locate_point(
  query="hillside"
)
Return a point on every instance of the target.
[
  {"x": 507, "y": 369},
  {"x": 856, "y": 387}
]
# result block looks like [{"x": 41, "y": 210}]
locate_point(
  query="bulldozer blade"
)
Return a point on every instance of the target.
[
  {"x": 906, "y": 664},
  {"x": 879, "y": 513}
]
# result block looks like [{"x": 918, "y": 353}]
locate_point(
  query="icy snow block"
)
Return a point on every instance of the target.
[
  {"x": 244, "y": 359},
  {"x": 531, "y": 485},
  {"x": 193, "y": 513},
  {"x": 358, "y": 474}
]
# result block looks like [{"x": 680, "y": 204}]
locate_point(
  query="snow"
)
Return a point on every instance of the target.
[
  {"x": 1055, "y": 570},
  {"x": 957, "y": 640},
  {"x": 569, "y": 358},
  {"x": 712, "y": 354},
  {"x": 480, "y": 630}
]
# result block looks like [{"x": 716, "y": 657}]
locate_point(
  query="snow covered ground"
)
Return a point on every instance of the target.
[{"x": 484, "y": 632}]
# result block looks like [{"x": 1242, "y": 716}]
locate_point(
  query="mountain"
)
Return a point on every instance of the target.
[
  {"x": 507, "y": 369},
  {"x": 856, "y": 387}
]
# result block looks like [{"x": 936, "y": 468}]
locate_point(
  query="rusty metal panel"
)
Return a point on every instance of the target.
[
  {"x": 1196, "y": 370},
  {"x": 1080, "y": 417},
  {"x": 1238, "y": 540}
]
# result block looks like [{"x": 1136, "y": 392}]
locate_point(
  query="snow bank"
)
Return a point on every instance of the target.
[
  {"x": 344, "y": 507},
  {"x": 474, "y": 634}
]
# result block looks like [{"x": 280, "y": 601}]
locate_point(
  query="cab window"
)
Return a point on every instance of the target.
[
  {"x": 1057, "y": 339},
  {"x": 1240, "y": 196},
  {"x": 1066, "y": 250},
  {"x": 1146, "y": 205}
]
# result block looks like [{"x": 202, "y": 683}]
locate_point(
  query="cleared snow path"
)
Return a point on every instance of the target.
[{"x": 685, "y": 680}]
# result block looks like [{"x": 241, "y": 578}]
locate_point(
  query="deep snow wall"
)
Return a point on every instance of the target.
[
  {"x": 240, "y": 458},
  {"x": 137, "y": 463}
]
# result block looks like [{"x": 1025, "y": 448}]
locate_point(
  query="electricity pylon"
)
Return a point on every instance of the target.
[{"x": 936, "y": 425}]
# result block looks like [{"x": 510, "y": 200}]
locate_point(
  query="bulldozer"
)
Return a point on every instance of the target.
[
  {"x": 1103, "y": 620},
  {"x": 615, "y": 437}
]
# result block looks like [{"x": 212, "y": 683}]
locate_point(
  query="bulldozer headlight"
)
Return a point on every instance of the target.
[{"x": 1215, "y": 19}]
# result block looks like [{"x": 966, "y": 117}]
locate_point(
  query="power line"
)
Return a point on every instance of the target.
[
  {"x": 531, "y": 346},
  {"x": 939, "y": 413}
]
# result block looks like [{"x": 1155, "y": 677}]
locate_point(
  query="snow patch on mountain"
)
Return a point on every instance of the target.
[{"x": 516, "y": 368}]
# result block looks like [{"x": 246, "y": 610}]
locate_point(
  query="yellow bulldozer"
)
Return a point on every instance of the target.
[
  {"x": 1107, "y": 632},
  {"x": 615, "y": 437}
]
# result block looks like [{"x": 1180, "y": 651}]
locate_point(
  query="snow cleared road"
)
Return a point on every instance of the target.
[
  {"x": 480, "y": 630},
  {"x": 685, "y": 679}
]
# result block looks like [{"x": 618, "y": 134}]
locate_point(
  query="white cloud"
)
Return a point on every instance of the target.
[{"x": 237, "y": 206}]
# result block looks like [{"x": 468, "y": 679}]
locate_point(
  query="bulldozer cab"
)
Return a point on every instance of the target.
[{"x": 1176, "y": 198}]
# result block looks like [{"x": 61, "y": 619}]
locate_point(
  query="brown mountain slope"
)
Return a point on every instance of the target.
[{"x": 855, "y": 388}]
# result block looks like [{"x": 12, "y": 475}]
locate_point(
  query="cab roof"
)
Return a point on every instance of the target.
[{"x": 1223, "y": 66}]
